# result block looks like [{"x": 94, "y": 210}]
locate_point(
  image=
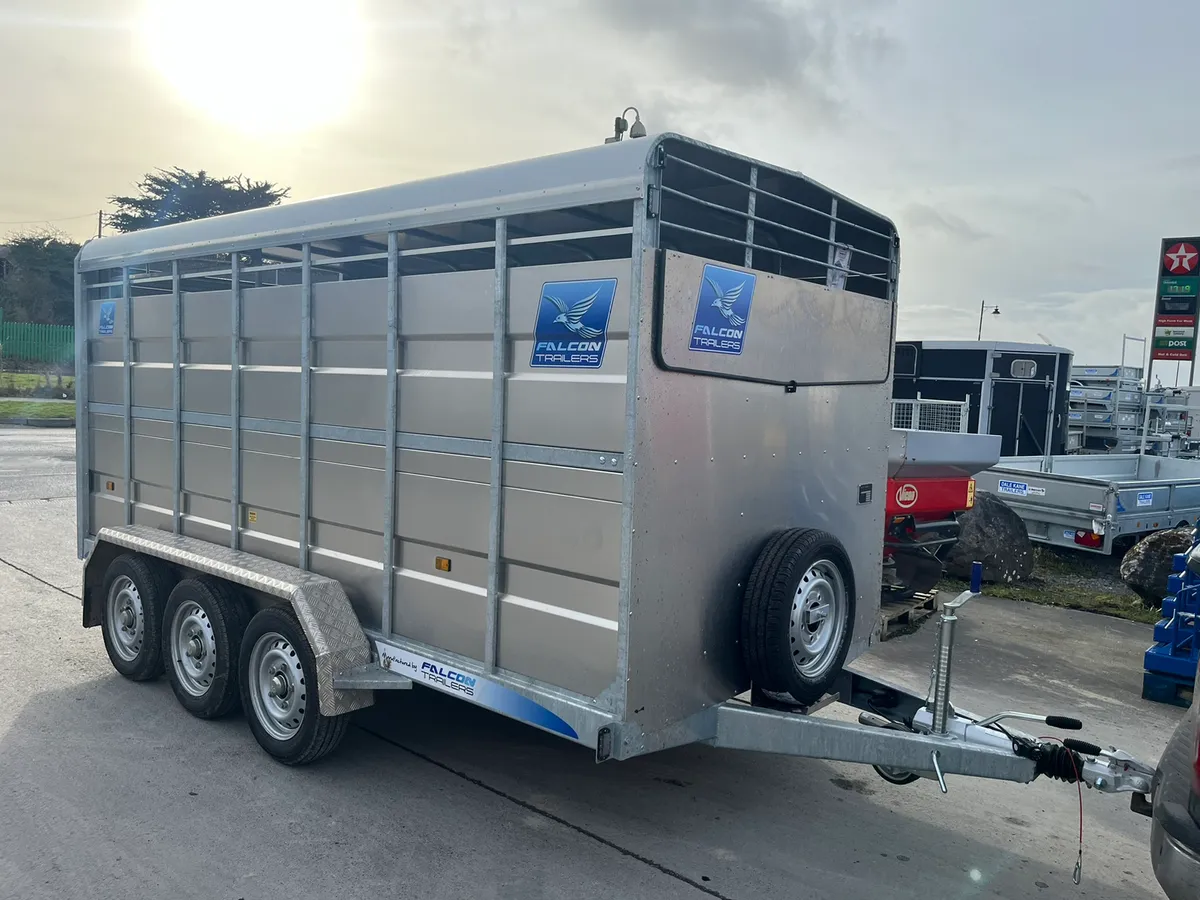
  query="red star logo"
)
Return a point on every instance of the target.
[{"x": 1181, "y": 259}]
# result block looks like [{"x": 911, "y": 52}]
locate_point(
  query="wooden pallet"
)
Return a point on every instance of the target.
[
  {"x": 1162, "y": 688},
  {"x": 903, "y": 616}
]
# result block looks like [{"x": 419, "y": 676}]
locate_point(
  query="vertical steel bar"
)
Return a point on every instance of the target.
[
  {"x": 176, "y": 398},
  {"x": 83, "y": 455},
  {"x": 305, "y": 398},
  {"x": 829, "y": 254},
  {"x": 127, "y": 357},
  {"x": 1051, "y": 421},
  {"x": 750, "y": 207},
  {"x": 1020, "y": 402},
  {"x": 389, "y": 439},
  {"x": 1145, "y": 425},
  {"x": 943, "y": 664},
  {"x": 641, "y": 280},
  {"x": 235, "y": 401},
  {"x": 496, "y": 493}
]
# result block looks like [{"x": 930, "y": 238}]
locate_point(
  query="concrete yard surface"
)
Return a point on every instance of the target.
[{"x": 108, "y": 789}]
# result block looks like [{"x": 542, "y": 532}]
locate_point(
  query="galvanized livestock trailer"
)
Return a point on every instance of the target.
[{"x": 597, "y": 441}]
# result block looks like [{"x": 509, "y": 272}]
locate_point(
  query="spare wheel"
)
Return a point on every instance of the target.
[{"x": 798, "y": 614}]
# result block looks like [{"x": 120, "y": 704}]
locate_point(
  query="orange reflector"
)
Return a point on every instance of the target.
[
  {"x": 1089, "y": 539},
  {"x": 442, "y": 564},
  {"x": 110, "y": 486}
]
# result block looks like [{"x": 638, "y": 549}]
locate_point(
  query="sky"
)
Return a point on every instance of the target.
[{"x": 1032, "y": 154}]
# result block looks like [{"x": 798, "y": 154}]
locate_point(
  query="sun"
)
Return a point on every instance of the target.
[{"x": 259, "y": 66}]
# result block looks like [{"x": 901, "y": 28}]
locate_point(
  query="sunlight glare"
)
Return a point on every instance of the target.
[{"x": 260, "y": 66}]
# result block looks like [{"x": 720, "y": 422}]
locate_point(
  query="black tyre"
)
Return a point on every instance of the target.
[
  {"x": 202, "y": 632},
  {"x": 798, "y": 614},
  {"x": 279, "y": 690},
  {"x": 135, "y": 590}
]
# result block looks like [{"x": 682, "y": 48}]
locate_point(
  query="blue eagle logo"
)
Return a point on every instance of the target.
[
  {"x": 722, "y": 310},
  {"x": 725, "y": 299},
  {"x": 571, "y": 317},
  {"x": 571, "y": 328}
]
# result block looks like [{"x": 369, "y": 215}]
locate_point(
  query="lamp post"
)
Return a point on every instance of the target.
[{"x": 983, "y": 307}]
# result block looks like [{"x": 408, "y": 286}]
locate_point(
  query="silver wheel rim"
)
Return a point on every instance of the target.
[
  {"x": 278, "y": 692},
  {"x": 194, "y": 650},
  {"x": 818, "y": 619},
  {"x": 125, "y": 619}
]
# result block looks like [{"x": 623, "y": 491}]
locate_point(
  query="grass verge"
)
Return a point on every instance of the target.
[
  {"x": 29, "y": 381},
  {"x": 1072, "y": 580},
  {"x": 36, "y": 409}
]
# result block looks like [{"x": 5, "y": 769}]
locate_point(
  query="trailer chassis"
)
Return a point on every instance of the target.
[{"x": 904, "y": 736}]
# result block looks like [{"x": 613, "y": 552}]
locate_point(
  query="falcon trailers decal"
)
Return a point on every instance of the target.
[
  {"x": 722, "y": 310},
  {"x": 478, "y": 690},
  {"x": 108, "y": 317},
  {"x": 571, "y": 328}
]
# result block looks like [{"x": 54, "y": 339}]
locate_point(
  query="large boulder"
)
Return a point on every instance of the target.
[
  {"x": 1147, "y": 565},
  {"x": 991, "y": 533}
]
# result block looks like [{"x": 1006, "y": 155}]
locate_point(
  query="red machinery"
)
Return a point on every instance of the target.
[{"x": 929, "y": 485}]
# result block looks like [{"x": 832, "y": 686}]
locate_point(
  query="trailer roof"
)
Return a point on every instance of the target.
[
  {"x": 589, "y": 176},
  {"x": 999, "y": 346},
  {"x": 592, "y": 174}
]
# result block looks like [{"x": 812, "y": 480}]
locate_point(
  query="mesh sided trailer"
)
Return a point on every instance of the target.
[{"x": 518, "y": 435}]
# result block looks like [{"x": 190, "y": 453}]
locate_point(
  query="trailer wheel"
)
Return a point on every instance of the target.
[
  {"x": 203, "y": 625},
  {"x": 279, "y": 690},
  {"x": 798, "y": 614},
  {"x": 135, "y": 590}
]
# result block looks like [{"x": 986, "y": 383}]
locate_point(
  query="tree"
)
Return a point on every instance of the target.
[
  {"x": 39, "y": 278},
  {"x": 176, "y": 195}
]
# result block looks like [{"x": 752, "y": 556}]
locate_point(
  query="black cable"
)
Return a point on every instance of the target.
[
  {"x": 40, "y": 580},
  {"x": 1060, "y": 762}
]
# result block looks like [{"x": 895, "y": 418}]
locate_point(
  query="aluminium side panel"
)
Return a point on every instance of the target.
[
  {"x": 560, "y": 535},
  {"x": 723, "y": 462},
  {"x": 100, "y": 330}
]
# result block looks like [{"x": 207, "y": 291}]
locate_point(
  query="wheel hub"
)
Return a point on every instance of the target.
[
  {"x": 279, "y": 686},
  {"x": 195, "y": 647},
  {"x": 124, "y": 618},
  {"x": 279, "y": 695},
  {"x": 818, "y": 619},
  {"x": 195, "y": 650}
]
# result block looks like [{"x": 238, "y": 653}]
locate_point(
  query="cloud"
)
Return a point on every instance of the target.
[
  {"x": 1187, "y": 163},
  {"x": 921, "y": 217},
  {"x": 790, "y": 58},
  {"x": 753, "y": 44},
  {"x": 782, "y": 47}
]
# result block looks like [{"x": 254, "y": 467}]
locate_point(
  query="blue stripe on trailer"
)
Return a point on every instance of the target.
[{"x": 468, "y": 686}]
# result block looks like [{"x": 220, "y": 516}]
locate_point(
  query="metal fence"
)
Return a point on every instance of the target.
[
  {"x": 32, "y": 343},
  {"x": 931, "y": 415}
]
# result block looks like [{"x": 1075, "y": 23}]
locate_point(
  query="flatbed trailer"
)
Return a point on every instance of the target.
[
  {"x": 598, "y": 442},
  {"x": 1091, "y": 501}
]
